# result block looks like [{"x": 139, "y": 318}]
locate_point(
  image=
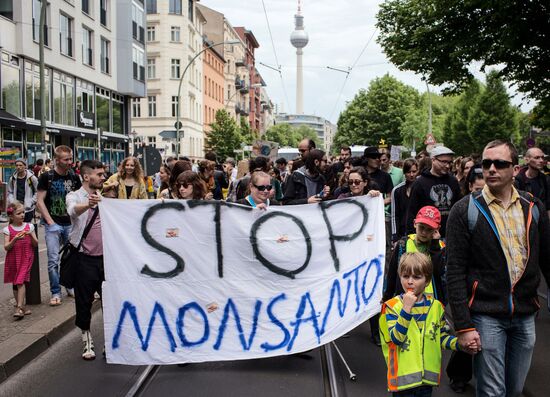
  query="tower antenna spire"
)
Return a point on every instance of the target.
[{"x": 299, "y": 39}]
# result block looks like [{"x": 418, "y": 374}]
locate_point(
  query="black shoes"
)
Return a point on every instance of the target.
[
  {"x": 376, "y": 339},
  {"x": 458, "y": 386}
]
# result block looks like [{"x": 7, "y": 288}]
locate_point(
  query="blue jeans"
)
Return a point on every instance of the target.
[
  {"x": 506, "y": 350},
  {"x": 56, "y": 236}
]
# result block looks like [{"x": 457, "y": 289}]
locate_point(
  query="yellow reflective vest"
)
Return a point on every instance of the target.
[
  {"x": 411, "y": 247},
  {"x": 417, "y": 361}
]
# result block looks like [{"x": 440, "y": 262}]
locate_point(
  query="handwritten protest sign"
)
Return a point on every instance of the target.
[{"x": 194, "y": 281}]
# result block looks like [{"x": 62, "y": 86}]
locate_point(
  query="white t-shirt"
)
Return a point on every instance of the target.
[{"x": 6, "y": 230}]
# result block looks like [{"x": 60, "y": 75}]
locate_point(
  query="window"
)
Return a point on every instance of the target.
[
  {"x": 175, "y": 33},
  {"x": 84, "y": 96},
  {"x": 86, "y": 7},
  {"x": 175, "y": 7},
  {"x": 103, "y": 113},
  {"x": 63, "y": 100},
  {"x": 151, "y": 6},
  {"x": 137, "y": 23},
  {"x": 11, "y": 95},
  {"x": 175, "y": 69},
  {"x": 151, "y": 68},
  {"x": 103, "y": 16},
  {"x": 190, "y": 9},
  {"x": 151, "y": 33},
  {"x": 36, "y": 5},
  {"x": 175, "y": 106},
  {"x": 105, "y": 55},
  {"x": 87, "y": 46},
  {"x": 138, "y": 57},
  {"x": 152, "y": 140},
  {"x": 65, "y": 35},
  {"x": 7, "y": 10},
  {"x": 32, "y": 91},
  {"x": 152, "y": 105},
  {"x": 136, "y": 107},
  {"x": 118, "y": 113}
]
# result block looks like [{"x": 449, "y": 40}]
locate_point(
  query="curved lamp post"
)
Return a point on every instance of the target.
[{"x": 178, "y": 124}]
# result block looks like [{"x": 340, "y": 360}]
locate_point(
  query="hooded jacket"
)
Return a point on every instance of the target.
[
  {"x": 31, "y": 184},
  {"x": 296, "y": 187},
  {"x": 478, "y": 281},
  {"x": 442, "y": 192}
]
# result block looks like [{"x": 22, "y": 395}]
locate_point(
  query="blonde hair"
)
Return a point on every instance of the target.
[
  {"x": 12, "y": 208},
  {"x": 415, "y": 263},
  {"x": 138, "y": 172}
]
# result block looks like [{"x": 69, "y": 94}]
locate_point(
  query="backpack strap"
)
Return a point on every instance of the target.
[
  {"x": 529, "y": 198},
  {"x": 474, "y": 208}
]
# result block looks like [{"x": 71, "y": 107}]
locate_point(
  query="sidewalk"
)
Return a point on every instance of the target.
[{"x": 22, "y": 341}]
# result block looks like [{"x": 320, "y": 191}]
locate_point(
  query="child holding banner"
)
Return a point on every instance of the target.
[{"x": 412, "y": 329}]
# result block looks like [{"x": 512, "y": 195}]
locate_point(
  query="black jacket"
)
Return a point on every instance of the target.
[
  {"x": 478, "y": 280},
  {"x": 296, "y": 189},
  {"x": 441, "y": 192},
  {"x": 524, "y": 183}
]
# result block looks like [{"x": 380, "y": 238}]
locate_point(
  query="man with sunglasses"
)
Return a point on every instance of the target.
[
  {"x": 498, "y": 243},
  {"x": 436, "y": 187},
  {"x": 532, "y": 179}
]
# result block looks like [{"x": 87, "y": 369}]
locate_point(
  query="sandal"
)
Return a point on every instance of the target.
[
  {"x": 19, "y": 313},
  {"x": 26, "y": 311},
  {"x": 55, "y": 301}
]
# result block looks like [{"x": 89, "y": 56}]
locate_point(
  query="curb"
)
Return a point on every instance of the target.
[{"x": 21, "y": 349}]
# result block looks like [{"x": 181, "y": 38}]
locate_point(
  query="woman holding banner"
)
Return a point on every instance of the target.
[
  {"x": 260, "y": 189},
  {"x": 190, "y": 186}
]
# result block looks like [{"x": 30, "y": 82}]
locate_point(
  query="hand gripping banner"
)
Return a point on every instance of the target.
[{"x": 195, "y": 281}]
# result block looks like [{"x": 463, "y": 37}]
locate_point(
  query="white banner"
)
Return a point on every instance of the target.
[{"x": 194, "y": 281}]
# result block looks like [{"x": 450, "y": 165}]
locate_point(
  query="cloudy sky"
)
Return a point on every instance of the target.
[{"x": 338, "y": 33}]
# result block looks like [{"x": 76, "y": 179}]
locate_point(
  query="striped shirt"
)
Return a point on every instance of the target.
[
  {"x": 398, "y": 324},
  {"x": 510, "y": 225}
]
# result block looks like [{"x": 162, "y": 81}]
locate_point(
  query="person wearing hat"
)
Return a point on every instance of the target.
[
  {"x": 426, "y": 240},
  {"x": 22, "y": 187},
  {"x": 436, "y": 187}
]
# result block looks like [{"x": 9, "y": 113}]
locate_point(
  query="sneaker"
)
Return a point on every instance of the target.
[
  {"x": 70, "y": 292},
  {"x": 88, "y": 346}
]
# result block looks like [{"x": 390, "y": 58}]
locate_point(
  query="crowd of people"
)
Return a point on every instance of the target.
[{"x": 469, "y": 232}]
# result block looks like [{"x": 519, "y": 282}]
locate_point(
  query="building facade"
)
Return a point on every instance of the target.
[
  {"x": 94, "y": 65},
  {"x": 325, "y": 129},
  {"x": 213, "y": 67},
  {"x": 174, "y": 39}
]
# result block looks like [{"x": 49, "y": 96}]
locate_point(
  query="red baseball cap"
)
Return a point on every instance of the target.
[{"x": 430, "y": 216}]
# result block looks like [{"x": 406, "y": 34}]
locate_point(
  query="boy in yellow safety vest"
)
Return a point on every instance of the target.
[{"x": 412, "y": 330}]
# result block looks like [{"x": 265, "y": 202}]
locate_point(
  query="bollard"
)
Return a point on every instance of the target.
[{"x": 32, "y": 293}]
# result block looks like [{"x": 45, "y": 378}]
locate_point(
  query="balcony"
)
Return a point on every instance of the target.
[
  {"x": 239, "y": 84},
  {"x": 240, "y": 62}
]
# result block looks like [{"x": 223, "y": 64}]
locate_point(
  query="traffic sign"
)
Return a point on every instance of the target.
[
  {"x": 430, "y": 140},
  {"x": 178, "y": 125},
  {"x": 530, "y": 142}
]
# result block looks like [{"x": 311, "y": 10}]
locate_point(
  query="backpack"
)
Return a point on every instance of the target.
[{"x": 50, "y": 174}]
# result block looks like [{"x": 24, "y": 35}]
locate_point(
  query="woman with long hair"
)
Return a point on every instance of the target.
[
  {"x": 400, "y": 199},
  {"x": 462, "y": 172},
  {"x": 164, "y": 176},
  {"x": 171, "y": 191},
  {"x": 206, "y": 172},
  {"x": 360, "y": 184},
  {"x": 190, "y": 186},
  {"x": 128, "y": 183}
]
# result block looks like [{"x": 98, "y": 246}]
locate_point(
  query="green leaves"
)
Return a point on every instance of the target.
[
  {"x": 287, "y": 136},
  {"x": 224, "y": 138}
]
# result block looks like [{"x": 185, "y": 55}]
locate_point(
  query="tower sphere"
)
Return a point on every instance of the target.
[{"x": 299, "y": 38}]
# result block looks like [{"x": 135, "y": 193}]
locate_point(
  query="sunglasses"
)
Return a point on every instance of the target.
[
  {"x": 183, "y": 185},
  {"x": 355, "y": 181},
  {"x": 261, "y": 188},
  {"x": 499, "y": 164}
]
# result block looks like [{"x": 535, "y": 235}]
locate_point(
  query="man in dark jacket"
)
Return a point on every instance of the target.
[
  {"x": 532, "y": 179},
  {"x": 498, "y": 242},
  {"x": 436, "y": 187},
  {"x": 307, "y": 185}
]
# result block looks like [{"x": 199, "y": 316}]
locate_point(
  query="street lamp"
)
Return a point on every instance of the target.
[
  {"x": 178, "y": 124},
  {"x": 134, "y": 134}
]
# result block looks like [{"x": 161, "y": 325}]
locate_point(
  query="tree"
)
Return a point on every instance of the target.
[
  {"x": 440, "y": 39},
  {"x": 492, "y": 116},
  {"x": 286, "y": 135},
  {"x": 224, "y": 138},
  {"x": 377, "y": 113},
  {"x": 248, "y": 135},
  {"x": 456, "y": 133}
]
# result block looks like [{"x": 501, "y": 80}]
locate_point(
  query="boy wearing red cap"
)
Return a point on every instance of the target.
[{"x": 426, "y": 240}]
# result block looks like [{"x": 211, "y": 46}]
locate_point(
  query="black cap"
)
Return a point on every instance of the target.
[{"x": 371, "y": 152}]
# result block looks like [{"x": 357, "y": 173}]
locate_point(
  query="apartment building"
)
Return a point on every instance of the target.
[
  {"x": 94, "y": 65},
  {"x": 237, "y": 80},
  {"x": 174, "y": 41},
  {"x": 213, "y": 83},
  {"x": 325, "y": 129}
]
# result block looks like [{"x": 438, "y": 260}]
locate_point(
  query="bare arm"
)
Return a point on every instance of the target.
[{"x": 40, "y": 196}]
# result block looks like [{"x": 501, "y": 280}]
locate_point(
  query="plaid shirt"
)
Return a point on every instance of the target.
[{"x": 510, "y": 224}]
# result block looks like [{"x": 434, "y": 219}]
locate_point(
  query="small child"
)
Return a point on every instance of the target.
[
  {"x": 412, "y": 329},
  {"x": 19, "y": 240}
]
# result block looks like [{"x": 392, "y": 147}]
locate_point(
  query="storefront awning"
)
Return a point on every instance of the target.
[
  {"x": 9, "y": 120},
  {"x": 62, "y": 130}
]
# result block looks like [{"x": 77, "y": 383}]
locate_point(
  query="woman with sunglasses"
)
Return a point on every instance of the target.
[
  {"x": 171, "y": 191},
  {"x": 260, "y": 190},
  {"x": 190, "y": 186},
  {"x": 360, "y": 184}
]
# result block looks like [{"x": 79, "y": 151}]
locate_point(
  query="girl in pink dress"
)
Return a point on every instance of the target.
[{"x": 19, "y": 240}]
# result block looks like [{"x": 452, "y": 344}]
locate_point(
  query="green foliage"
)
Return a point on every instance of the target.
[
  {"x": 248, "y": 136},
  {"x": 286, "y": 135},
  {"x": 224, "y": 138},
  {"x": 540, "y": 115},
  {"x": 492, "y": 116},
  {"x": 440, "y": 39},
  {"x": 377, "y": 113}
]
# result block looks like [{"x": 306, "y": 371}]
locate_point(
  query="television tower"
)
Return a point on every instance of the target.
[{"x": 299, "y": 39}]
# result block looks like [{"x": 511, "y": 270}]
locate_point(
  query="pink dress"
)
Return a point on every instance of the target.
[{"x": 17, "y": 268}]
